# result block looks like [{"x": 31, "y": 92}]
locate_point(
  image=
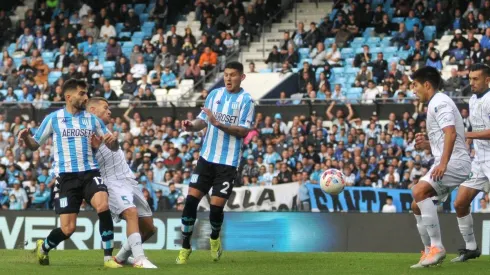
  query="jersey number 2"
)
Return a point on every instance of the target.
[{"x": 225, "y": 188}]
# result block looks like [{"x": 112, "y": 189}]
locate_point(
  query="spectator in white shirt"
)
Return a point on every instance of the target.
[
  {"x": 40, "y": 40},
  {"x": 107, "y": 31},
  {"x": 139, "y": 69},
  {"x": 25, "y": 41},
  {"x": 370, "y": 93},
  {"x": 156, "y": 37},
  {"x": 349, "y": 177},
  {"x": 333, "y": 55},
  {"x": 318, "y": 55},
  {"x": 20, "y": 194},
  {"x": 388, "y": 207},
  {"x": 392, "y": 172},
  {"x": 484, "y": 206}
]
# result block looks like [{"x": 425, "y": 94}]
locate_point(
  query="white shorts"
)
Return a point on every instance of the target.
[
  {"x": 479, "y": 177},
  {"x": 124, "y": 194},
  {"x": 456, "y": 173}
]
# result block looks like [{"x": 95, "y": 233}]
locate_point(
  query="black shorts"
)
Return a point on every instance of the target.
[
  {"x": 218, "y": 176},
  {"x": 72, "y": 188}
]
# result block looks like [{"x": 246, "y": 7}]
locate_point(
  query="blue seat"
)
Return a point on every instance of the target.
[
  {"x": 393, "y": 59},
  {"x": 109, "y": 64},
  {"x": 353, "y": 98},
  {"x": 295, "y": 70},
  {"x": 348, "y": 61},
  {"x": 328, "y": 42},
  {"x": 264, "y": 71},
  {"x": 19, "y": 94},
  {"x": 124, "y": 34},
  {"x": 119, "y": 27},
  {"x": 429, "y": 32},
  {"x": 391, "y": 50},
  {"x": 373, "y": 40},
  {"x": 403, "y": 54},
  {"x": 139, "y": 8},
  {"x": 128, "y": 44},
  {"x": 338, "y": 70},
  {"x": 50, "y": 65},
  {"x": 398, "y": 20},
  {"x": 3, "y": 92},
  {"x": 138, "y": 35},
  {"x": 303, "y": 52},
  {"x": 303, "y": 60},
  {"x": 47, "y": 56},
  {"x": 340, "y": 80},
  {"x": 137, "y": 40},
  {"x": 368, "y": 32},
  {"x": 108, "y": 73},
  {"x": 147, "y": 31},
  {"x": 347, "y": 52},
  {"x": 144, "y": 17},
  {"x": 149, "y": 24},
  {"x": 352, "y": 70},
  {"x": 333, "y": 14},
  {"x": 358, "y": 40}
]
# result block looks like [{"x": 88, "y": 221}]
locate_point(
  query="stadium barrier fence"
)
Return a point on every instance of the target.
[{"x": 257, "y": 231}]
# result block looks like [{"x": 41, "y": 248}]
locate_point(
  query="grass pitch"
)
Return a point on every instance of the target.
[{"x": 71, "y": 262}]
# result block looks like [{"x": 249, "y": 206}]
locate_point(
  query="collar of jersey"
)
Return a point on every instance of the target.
[
  {"x": 431, "y": 98},
  {"x": 230, "y": 93},
  {"x": 68, "y": 114},
  {"x": 482, "y": 94}
]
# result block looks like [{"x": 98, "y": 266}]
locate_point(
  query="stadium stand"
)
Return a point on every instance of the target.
[{"x": 343, "y": 54}]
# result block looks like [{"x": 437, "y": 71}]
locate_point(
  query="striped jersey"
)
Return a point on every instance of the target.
[
  {"x": 71, "y": 139},
  {"x": 230, "y": 109},
  {"x": 480, "y": 121},
  {"x": 443, "y": 112},
  {"x": 113, "y": 165}
]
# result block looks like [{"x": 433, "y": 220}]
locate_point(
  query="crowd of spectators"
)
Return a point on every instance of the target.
[
  {"x": 76, "y": 42},
  {"x": 162, "y": 155},
  {"x": 380, "y": 77}
]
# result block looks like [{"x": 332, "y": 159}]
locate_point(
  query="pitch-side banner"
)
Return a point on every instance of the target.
[
  {"x": 366, "y": 199},
  {"x": 280, "y": 197}
]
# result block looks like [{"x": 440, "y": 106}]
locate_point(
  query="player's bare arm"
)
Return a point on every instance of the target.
[
  {"x": 421, "y": 142},
  {"x": 449, "y": 140},
  {"x": 483, "y": 135},
  {"x": 195, "y": 125},
  {"x": 236, "y": 131},
  {"x": 24, "y": 135}
]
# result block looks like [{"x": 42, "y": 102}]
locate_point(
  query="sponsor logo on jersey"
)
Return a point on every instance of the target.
[
  {"x": 225, "y": 118},
  {"x": 77, "y": 133}
]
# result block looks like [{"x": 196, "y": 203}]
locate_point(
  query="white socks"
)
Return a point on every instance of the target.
[
  {"x": 133, "y": 246},
  {"x": 431, "y": 221},
  {"x": 424, "y": 235},
  {"x": 466, "y": 228}
]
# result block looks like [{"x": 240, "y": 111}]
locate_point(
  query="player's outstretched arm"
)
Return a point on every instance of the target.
[
  {"x": 233, "y": 130},
  {"x": 28, "y": 139},
  {"x": 483, "y": 135}
]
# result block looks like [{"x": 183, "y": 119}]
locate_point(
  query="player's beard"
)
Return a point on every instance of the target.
[{"x": 80, "y": 105}]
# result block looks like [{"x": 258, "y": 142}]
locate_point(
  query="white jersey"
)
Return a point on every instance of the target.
[
  {"x": 480, "y": 121},
  {"x": 443, "y": 112},
  {"x": 113, "y": 165}
]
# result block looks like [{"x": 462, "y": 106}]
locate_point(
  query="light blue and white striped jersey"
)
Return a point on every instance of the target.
[
  {"x": 230, "y": 109},
  {"x": 71, "y": 139}
]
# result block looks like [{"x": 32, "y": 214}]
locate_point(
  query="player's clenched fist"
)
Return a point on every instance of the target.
[
  {"x": 187, "y": 125},
  {"x": 109, "y": 138},
  {"x": 24, "y": 133}
]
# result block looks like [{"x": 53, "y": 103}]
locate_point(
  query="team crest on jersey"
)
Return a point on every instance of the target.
[
  {"x": 234, "y": 105},
  {"x": 83, "y": 121}
]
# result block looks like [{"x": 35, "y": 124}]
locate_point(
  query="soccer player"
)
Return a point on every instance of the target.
[
  {"x": 480, "y": 173},
  {"x": 76, "y": 168},
  {"x": 452, "y": 163},
  {"x": 125, "y": 200},
  {"x": 228, "y": 115}
]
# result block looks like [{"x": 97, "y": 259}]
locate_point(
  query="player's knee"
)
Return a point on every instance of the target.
[
  {"x": 420, "y": 193},
  {"x": 151, "y": 231},
  {"x": 460, "y": 205},
  {"x": 415, "y": 207},
  {"x": 130, "y": 214},
  {"x": 101, "y": 206},
  {"x": 68, "y": 229},
  {"x": 100, "y": 202}
]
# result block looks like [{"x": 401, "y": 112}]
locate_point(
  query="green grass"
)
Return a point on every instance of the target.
[{"x": 70, "y": 262}]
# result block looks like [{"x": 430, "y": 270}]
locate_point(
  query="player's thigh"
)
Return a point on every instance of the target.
[
  {"x": 147, "y": 228},
  {"x": 223, "y": 183},
  {"x": 94, "y": 184},
  {"x": 68, "y": 194},
  {"x": 142, "y": 206},
  {"x": 120, "y": 198},
  {"x": 202, "y": 177},
  {"x": 477, "y": 181},
  {"x": 457, "y": 173}
]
